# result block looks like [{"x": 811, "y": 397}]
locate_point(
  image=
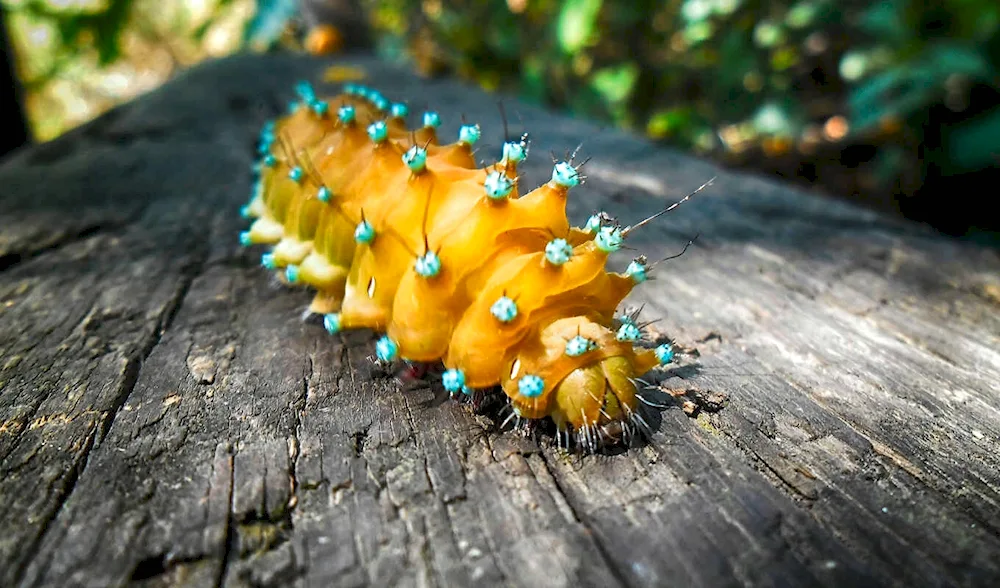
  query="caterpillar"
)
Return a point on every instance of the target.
[{"x": 451, "y": 263}]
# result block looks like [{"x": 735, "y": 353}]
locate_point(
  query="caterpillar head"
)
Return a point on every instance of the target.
[{"x": 579, "y": 373}]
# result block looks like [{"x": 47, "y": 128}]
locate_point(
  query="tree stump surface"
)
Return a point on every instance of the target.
[{"x": 167, "y": 418}]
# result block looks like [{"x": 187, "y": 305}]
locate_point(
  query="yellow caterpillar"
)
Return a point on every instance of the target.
[{"x": 398, "y": 233}]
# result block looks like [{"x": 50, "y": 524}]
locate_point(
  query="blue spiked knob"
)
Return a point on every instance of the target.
[
  {"x": 593, "y": 224},
  {"x": 453, "y": 380},
  {"x": 305, "y": 91},
  {"x": 415, "y": 158},
  {"x": 378, "y": 131},
  {"x": 295, "y": 174},
  {"x": 558, "y": 251},
  {"x": 346, "y": 114},
  {"x": 351, "y": 88},
  {"x": 320, "y": 107},
  {"x": 267, "y": 260},
  {"x": 399, "y": 110},
  {"x": 331, "y": 322},
  {"x": 497, "y": 185},
  {"x": 531, "y": 386},
  {"x": 364, "y": 232},
  {"x": 245, "y": 211},
  {"x": 504, "y": 309},
  {"x": 323, "y": 194},
  {"x": 514, "y": 152},
  {"x": 270, "y": 160},
  {"x": 380, "y": 101},
  {"x": 376, "y": 98},
  {"x": 579, "y": 345},
  {"x": 565, "y": 175},
  {"x": 628, "y": 332},
  {"x": 636, "y": 270},
  {"x": 469, "y": 134},
  {"x": 428, "y": 265},
  {"x": 609, "y": 239},
  {"x": 664, "y": 353},
  {"x": 292, "y": 273},
  {"x": 245, "y": 239},
  {"x": 386, "y": 349},
  {"x": 432, "y": 119}
]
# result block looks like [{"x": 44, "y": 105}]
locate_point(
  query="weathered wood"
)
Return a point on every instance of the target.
[{"x": 167, "y": 419}]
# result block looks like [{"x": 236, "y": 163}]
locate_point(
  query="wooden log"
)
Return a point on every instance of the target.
[{"x": 167, "y": 419}]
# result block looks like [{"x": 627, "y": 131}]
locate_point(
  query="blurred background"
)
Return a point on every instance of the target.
[{"x": 891, "y": 103}]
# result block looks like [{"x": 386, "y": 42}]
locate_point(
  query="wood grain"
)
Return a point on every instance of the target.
[{"x": 167, "y": 419}]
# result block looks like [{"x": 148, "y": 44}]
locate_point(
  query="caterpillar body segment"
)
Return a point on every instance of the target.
[{"x": 399, "y": 233}]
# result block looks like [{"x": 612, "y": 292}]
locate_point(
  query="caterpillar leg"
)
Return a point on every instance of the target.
[
  {"x": 264, "y": 231},
  {"x": 290, "y": 251},
  {"x": 256, "y": 208}
]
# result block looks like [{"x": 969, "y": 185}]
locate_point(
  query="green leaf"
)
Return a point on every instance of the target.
[
  {"x": 949, "y": 58},
  {"x": 897, "y": 92},
  {"x": 670, "y": 123},
  {"x": 615, "y": 84},
  {"x": 885, "y": 20},
  {"x": 576, "y": 23},
  {"x": 975, "y": 144}
]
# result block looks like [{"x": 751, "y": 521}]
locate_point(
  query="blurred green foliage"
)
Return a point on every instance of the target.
[
  {"x": 786, "y": 85},
  {"x": 744, "y": 80},
  {"x": 77, "y": 58}
]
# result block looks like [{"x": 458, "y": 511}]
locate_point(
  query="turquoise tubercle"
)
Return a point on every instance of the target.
[
  {"x": 378, "y": 131},
  {"x": 504, "y": 309},
  {"x": 514, "y": 152},
  {"x": 428, "y": 265},
  {"x": 331, "y": 322},
  {"x": 346, "y": 114},
  {"x": 415, "y": 158},
  {"x": 628, "y": 332},
  {"x": 453, "y": 380},
  {"x": 432, "y": 119},
  {"x": 305, "y": 91},
  {"x": 637, "y": 270},
  {"x": 469, "y": 134},
  {"x": 593, "y": 223},
  {"x": 386, "y": 349},
  {"x": 364, "y": 233},
  {"x": 565, "y": 175},
  {"x": 558, "y": 251},
  {"x": 497, "y": 185},
  {"x": 664, "y": 353},
  {"x": 399, "y": 110},
  {"x": 531, "y": 386},
  {"x": 319, "y": 107},
  {"x": 579, "y": 345},
  {"x": 609, "y": 239}
]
